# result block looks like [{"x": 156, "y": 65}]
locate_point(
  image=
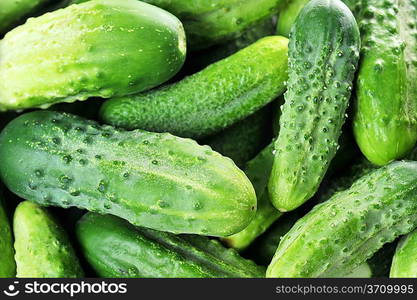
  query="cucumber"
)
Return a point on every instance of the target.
[
  {"x": 213, "y": 22},
  {"x": 211, "y": 100},
  {"x": 258, "y": 171},
  {"x": 115, "y": 248},
  {"x": 7, "y": 263},
  {"x": 321, "y": 71},
  {"x": 67, "y": 53},
  {"x": 244, "y": 139},
  {"x": 13, "y": 12},
  {"x": 287, "y": 16},
  {"x": 153, "y": 180},
  {"x": 42, "y": 246},
  {"x": 385, "y": 122},
  {"x": 338, "y": 235},
  {"x": 404, "y": 263}
]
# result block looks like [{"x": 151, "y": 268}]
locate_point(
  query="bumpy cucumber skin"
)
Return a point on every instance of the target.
[
  {"x": 343, "y": 232},
  {"x": 154, "y": 180},
  {"x": 211, "y": 100},
  {"x": 67, "y": 57},
  {"x": 287, "y": 16},
  {"x": 404, "y": 263},
  {"x": 13, "y": 11},
  {"x": 115, "y": 248},
  {"x": 257, "y": 170},
  {"x": 43, "y": 249},
  {"x": 7, "y": 263},
  {"x": 243, "y": 140},
  {"x": 321, "y": 71},
  {"x": 213, "y": 22},
  {"x": 385, "y": 119}
]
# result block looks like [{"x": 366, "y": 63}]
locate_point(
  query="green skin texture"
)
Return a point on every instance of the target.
[
  {"x": 210, "y": 100},
  {"x": 257, "y": 170},
  {"x": 245, "y": 139},
  {"x": 288, "y": 15},
  {"x": 213, "y": 22},
  {"x": 115, "y": 248},
  {"x": 66, "y": 54},
  {"x": 385, "y": 122},
  {"x": 155, "y": 180},
  {"x": 404, "y": 263},
  {"x": 13, "y": 11},
  {"x": 321, "y": 72},
  {"x": 338, "y": 235},
  {"x": 7, "y": 263},
  {"x": 43, "y": 249}
]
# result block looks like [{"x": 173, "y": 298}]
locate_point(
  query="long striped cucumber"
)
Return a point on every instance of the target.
[
  {"x": 66, "y": 54},
  {"x": 210, "y": 100},
  {"x": 115, "y": 248},
  {"x": 7, "y": 263},
  {"x": 212, "y": 22},
  {"x": 321, "y": 71},
  {"x": 343, "y": 232},
  {"x": 404, "y": 263},
  {"x": 385, "y": 119},
  {"x": 154, "y": 180},
  {"x": 257, "y": 170},
  {"x": 43, "y": 249},
  {"x": 245, "y": 139}
]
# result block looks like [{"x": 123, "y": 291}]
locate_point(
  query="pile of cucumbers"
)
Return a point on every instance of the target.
[{"x": 208, "y": 138}]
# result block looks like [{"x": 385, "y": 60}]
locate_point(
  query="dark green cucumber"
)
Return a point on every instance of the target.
[
  {"x": 67, "y": 53},
  {"x": 211, "y": 100},
  {"x": 257, "y": 170},
  {"x": 343, "y": 232},
  {"x": 115, "y": 248},
  {"x": 13, "y": 12},
  {"x": 7, "y": 263},
  {"x": 404, "y": 263},
  {"x": 385, "y": 119},
  {"x": 321, "y": 71},
  {"x": 43, "y": 249},
  {"x": 244, "y": 139},
  {"x": 154, "y": 180},
  {"x": 211, "y": 22},
  {"x": 287, "y": 16}
]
